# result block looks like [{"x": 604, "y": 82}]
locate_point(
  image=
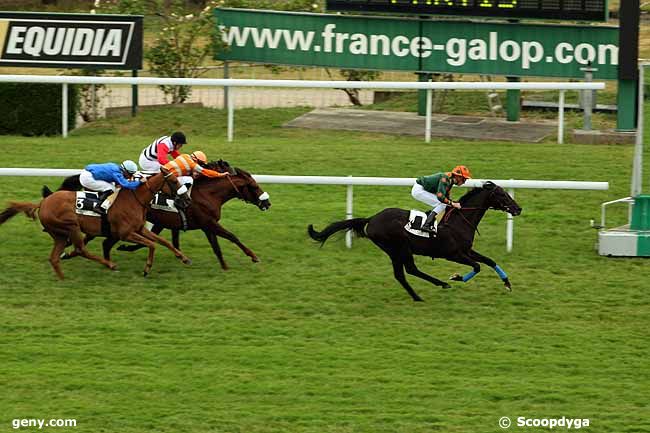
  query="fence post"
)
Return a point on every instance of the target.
[
  {"x": 427, "y": 127},
  {"x": 510, "y": 225},
  {"x": 560, "y": 119},
  {"x": 348, "y": 214},
  {"x": 64, "y": 108},
  {"x": 231, "y": 113}
]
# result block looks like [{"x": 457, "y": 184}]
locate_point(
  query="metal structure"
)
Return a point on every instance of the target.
[
  {"x": 633, "y": 238},
  {"x": 233, "y": 83}
]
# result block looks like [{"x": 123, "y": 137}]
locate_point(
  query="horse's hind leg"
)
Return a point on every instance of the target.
[
  {"x": 398, "y": 272},
  {"x": 55, "y": 256},
  {"x": 75, "y": 253},
  {"x": 398, "y": 268},
  {"x": 409, "y": 264},
  {"x": 80, "y": 249}
]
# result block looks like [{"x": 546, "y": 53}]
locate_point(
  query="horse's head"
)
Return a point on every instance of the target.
[
  {"x": 499, "y": 199},
  {"x": 248, "y": 189}
]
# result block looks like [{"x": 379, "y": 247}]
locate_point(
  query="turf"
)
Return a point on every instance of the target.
[{"x": 324, "y": 339}]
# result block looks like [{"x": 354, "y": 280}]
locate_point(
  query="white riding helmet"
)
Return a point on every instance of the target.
[{"x": 129, "y": 166}]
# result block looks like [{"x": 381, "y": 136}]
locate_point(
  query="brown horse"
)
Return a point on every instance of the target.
[
  {"x": 208, "y": 196},
  {"x": 126, "y": 218},
  {"x": 204, "y": 213}
]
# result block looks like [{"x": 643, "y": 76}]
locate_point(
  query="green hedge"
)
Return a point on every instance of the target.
[{"x": 35, "y": 109}]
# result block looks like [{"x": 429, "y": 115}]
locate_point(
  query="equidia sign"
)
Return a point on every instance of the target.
[{"x": 72, "y": 41}]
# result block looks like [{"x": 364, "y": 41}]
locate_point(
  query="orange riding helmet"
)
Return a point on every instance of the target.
[
  {"x": 199, "y": 156},
  {"x": 462, "y": 171}
]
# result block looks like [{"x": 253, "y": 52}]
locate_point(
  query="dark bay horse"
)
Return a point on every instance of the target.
[
  {"x": 204, "y": 213},
  {"x": 453, "y": 242},
  {"x": 126, "y": 218}
]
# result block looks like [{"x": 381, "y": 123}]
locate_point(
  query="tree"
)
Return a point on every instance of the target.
[{"x": 185, "y": 39}]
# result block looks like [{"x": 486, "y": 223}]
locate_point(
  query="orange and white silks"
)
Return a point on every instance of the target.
[{"x": 184, "y": 165}]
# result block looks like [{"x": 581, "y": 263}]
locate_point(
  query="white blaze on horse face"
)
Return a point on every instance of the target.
[{"x": 264, "y": 196}]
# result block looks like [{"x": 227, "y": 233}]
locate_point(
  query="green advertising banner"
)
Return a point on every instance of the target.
[{"x": 418, "y": 45}]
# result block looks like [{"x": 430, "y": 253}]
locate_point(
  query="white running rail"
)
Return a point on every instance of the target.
[{"x": 510, "y": 185}]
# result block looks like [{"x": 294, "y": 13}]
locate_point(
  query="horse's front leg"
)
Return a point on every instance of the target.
[
  {"x": 219, "y": 230},
  {"x": 162, "y": 241},
  {"x": 491, "y": 263},
  {"x": 214, "y": 243},
  {"x": 464, "y": 259}
]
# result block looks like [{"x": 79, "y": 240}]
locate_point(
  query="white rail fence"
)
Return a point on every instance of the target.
[
  {"x": 350, "y": 182},
  {"x": 231, "y": 84}
]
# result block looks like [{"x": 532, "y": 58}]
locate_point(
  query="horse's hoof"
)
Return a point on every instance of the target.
[
  {"x": 446, "y": 286},
  {"x": 255, "y": 259},
  {"x": 187, "y": 261},
  {"x": 418, "y": 300},
  {"x": 145, "y": 273},
  {"x": 65, "y": 256},
  {"x": 456, "y": 277}
]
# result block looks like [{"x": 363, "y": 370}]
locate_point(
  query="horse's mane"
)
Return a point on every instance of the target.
[{"x": 469, "y": 195}]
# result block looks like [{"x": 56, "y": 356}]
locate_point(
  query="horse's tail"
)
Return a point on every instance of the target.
[
  {"x": 356, "y": 224},
  {"x": 15, "y": 208},
  {"x": 71, "y": 183},
  {"x": 45, "y": 191}
]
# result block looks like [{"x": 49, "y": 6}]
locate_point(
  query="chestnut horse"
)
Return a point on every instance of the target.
[
  {"x": 204, "y": 213},
  {"x": 126, "y": 218}
]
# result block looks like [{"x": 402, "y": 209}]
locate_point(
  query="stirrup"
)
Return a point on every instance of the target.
[{"x": 428, "y": 229}]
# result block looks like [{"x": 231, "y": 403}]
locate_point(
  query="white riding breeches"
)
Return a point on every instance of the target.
[
  {"x": 148, "y": 165},
  {"x": 426, "y": 197},
  {"x": 182, "y": 180},
  {"x": 90, "y": 183}
]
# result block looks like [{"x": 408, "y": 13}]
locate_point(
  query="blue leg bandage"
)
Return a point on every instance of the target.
[
  {"x": 468, "y": 276},
  {"x": 501, "y": 272}
]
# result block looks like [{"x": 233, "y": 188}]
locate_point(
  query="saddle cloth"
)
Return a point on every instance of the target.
[
  {"x": 416, "y": 219},
  {"x": 86, "y": 200},
  {"x": 163, "y": 202}
]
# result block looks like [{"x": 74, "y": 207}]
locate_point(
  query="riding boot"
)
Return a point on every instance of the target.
[
  {"x": 101, "y": 198},
  {"x": 429, "y": 225},
  {"x": 182, "y": 201}
]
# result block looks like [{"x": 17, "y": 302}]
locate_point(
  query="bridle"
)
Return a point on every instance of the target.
[{"x": 447, "y": 215}]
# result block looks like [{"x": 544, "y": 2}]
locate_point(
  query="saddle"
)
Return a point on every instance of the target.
[
  {"x": 416, "y": 219},
  {"x": 86, "y": 202},
  {"x": 166, "y": 203}
]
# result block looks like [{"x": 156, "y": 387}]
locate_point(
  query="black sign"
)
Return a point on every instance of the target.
[
  {"x": 576, "y": 10},
  {"x": 71, "y": 41}
]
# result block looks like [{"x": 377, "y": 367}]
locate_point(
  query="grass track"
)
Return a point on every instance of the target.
[{"x": 324, "y": 340}]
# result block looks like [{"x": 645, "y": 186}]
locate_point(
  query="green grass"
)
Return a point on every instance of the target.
[{"x": 324, "y": 339}]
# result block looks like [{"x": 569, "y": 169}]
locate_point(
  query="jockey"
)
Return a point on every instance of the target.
[
  {"x": 103, "y": 178},
  {"x": 185, "y": 166},
  {"x": 434, "y": 190},
  {"x": 155, "y": 155}
]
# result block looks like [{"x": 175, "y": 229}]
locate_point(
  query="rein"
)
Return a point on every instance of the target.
[
  {"x": 235, "y": 187},
  {"x": 153, "y": 193}
]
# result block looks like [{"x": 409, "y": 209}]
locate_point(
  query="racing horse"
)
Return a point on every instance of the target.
[
  {"x": 453, "y": 242},
  {"x": 204, "y": 212},
  {"x": 126, "y": 218}
]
